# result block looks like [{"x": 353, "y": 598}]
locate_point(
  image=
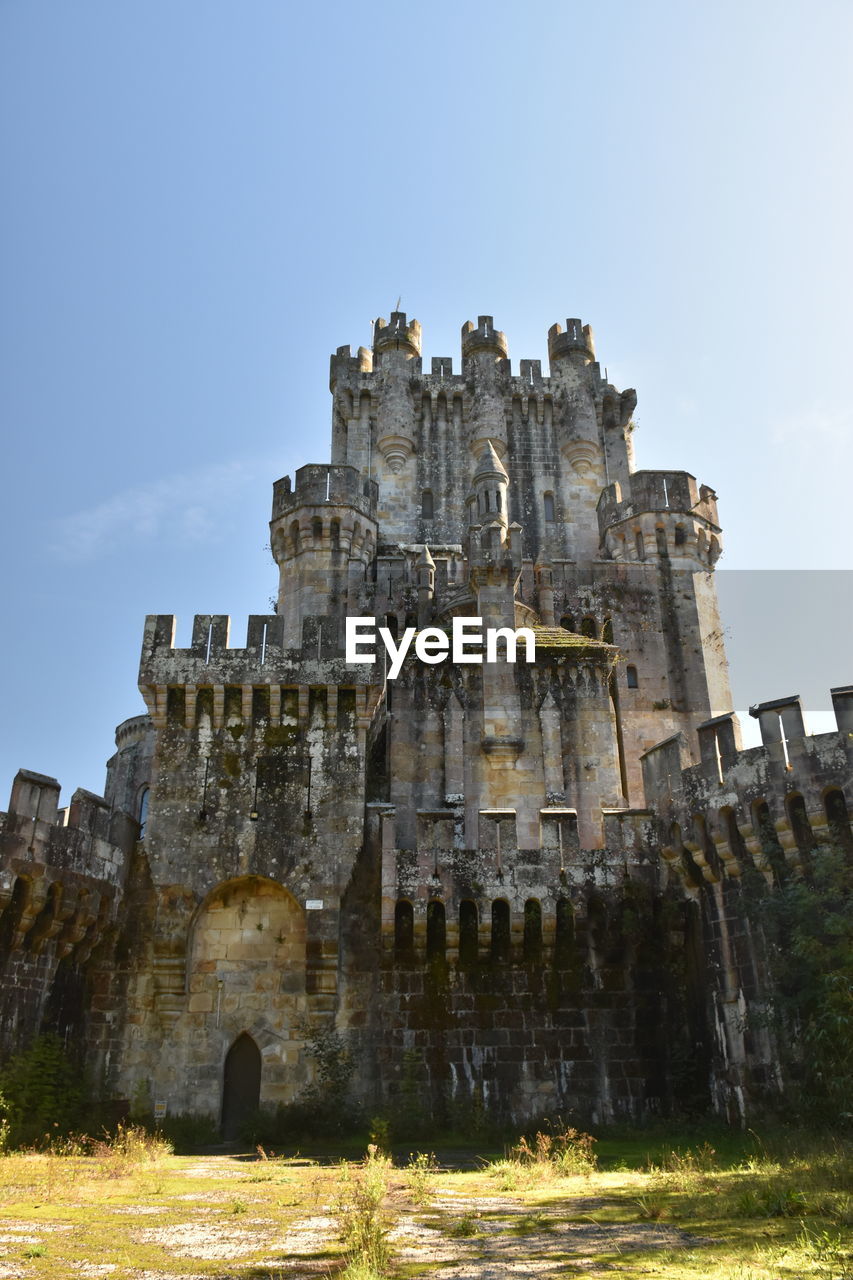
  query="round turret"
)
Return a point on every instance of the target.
[
  {"x": 322, "y": 529},
  {"x": 576, "y": 343},
  {"x": 484, "y": 340},
  {"x": 397, "y": 335}
]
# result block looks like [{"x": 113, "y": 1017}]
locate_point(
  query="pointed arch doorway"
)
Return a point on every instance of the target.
[{"x": 241, "y": 1085}]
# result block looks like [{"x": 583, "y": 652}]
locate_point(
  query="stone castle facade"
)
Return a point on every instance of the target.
[{"x": 511, "y": 885}]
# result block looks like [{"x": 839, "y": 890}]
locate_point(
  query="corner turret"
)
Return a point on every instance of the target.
[
  {"x": 575, "y": 344},
  {"x": 322, "y": 535},
  {"x": 398, "y": 335}
]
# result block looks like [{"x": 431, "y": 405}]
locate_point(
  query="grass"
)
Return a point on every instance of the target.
[{"x": 708, "y": 1207}]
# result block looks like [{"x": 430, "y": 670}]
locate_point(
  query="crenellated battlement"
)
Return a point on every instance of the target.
[
  {"x": 88, "y": 838},
  {"x": 343, "y": 364},
  {"x": 575, "y": 340},
  {"x": 484, "y": 340},
  {"x": 265, "y": 667},
  {"x": 398, "y": 335},
  {"x": 319, "y": 483},
  {"x": 354, "y": 374},
  {"x": 659, "y": 512},
  {"x": 768, "y": 806}
]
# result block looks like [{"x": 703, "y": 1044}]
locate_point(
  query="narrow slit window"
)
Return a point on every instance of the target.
[
  {"x": 143, "y": 812},
  {"x": 468, "y": 933},
  {"x": 404, "y": 929},
  {"x": 564, "y": 935},
  {"x": 427, "y": 505},
  {"x": 436, "y": 931},
  {"x": 549, "y": 507},
  {"x": 631, "y": 675},
  {"x": 532, "y": 931},
  {"x": 500, "y": 931}
]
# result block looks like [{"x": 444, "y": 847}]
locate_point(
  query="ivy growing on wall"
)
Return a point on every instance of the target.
[{"x": 808, "y": 923}]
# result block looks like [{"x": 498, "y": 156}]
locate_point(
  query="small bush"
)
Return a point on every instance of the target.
[
  {"x": 565, "y": 1152},
  {"x": 128, "y": 1148},
  {"x": 651, "y": 1207},
  {"x": 188, "y": 1130},
  {"x": 420, "y": 1172},
  {"x": 359, "y": 1210},
  {"x": 464, "y": 1227}
]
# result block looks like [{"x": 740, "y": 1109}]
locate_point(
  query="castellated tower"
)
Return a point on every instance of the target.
[{"x": 486, "y": 876}]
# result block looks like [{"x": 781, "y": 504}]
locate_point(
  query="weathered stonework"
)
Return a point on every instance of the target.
[{"x": 515, "y": 885}]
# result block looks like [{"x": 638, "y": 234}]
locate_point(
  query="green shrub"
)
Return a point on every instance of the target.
[
  {"x": 808, "y": 922},
  {"x": 187, "y": 1131},
  {"x": 43, "y": 1094}
]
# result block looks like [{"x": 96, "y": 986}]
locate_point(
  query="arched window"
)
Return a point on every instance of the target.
[
  {"x": 607, "y": 631},
  {"x": 631, "y": 677},
  {"x": 549, "y": 506},
  {"x": 294, "y": 535},
  {"x": 680, "y": 535},
  {"x": 800, "y": 824},
  {"x": 564, "y": 938},
  {"x": 404, "y": 930},
  {"x": 317, "y": 529},
  {"x": 500, "y": 931},
  {"x": 436, "y": 931},
  {"x": 764, "y": 828},
  {"x": 596, "y": 922},
  {"x": 589, "y": 628},
  {"x": 335, "y": 534},
  {"x": 392, "y": 624},
  {"x": 640, "y": 543},
  {"x": 427, "y": 505},
  {"x": 532, "y": 931},
  {"x": 499, "y": 506},
  {"x": 468, "y": 933},
  {"x": 142, "y": 815},
  {"x": 567, "y": 622},
  {"x": 838, "y": 818}
]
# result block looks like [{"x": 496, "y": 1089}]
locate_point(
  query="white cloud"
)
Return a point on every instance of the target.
[{"x": 187, "y": 506}]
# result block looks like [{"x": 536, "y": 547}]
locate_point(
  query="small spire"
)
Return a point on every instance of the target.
[
  {"x": 489, "y": 464},
  {"x": 425, "y": 559}
]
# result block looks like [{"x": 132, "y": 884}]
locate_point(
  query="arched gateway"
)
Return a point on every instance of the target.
[{"x": 241, "y": 1086}]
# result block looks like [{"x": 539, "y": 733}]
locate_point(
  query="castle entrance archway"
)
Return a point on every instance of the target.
[{"x": 241, "y": 1087}]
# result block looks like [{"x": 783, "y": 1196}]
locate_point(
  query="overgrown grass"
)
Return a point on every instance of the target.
[
  {"x": 563, "y": 1153},
  {"x": 702, "y": 1207}
]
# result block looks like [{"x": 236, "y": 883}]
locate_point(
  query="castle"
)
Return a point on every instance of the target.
[{"x": 511, "y": 884}]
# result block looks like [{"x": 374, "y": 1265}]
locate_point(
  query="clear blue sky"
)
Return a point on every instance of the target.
[{"x": 202, "y": 200}]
